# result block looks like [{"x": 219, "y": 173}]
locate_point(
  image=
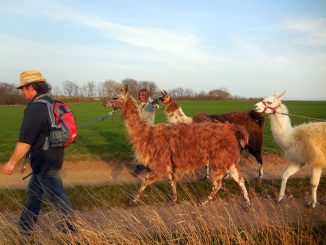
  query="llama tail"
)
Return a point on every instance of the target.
[
  {"x": 258, "y": 117},
  {"x": 242, "y": 135}
]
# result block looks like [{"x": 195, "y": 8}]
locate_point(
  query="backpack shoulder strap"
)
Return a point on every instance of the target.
[{"x": 50, "y": 105}]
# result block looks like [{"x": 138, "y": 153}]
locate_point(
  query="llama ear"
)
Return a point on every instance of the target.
[
  {"x": 126, "y": 89},
  {"x": 165, "y": 93},
  {"x": 162, "y": 93},
  {"x": 278, "y": 94}
]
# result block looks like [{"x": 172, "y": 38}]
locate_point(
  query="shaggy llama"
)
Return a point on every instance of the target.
[
  {"x": 172, "y": 150},
  {"x": 252, "y": 121},
  {"x": 303, "y": 144}
]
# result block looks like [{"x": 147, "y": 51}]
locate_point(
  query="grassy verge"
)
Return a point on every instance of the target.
[
  {"x": 106, "y": 218},
  {"x": 118, "y": 195}
]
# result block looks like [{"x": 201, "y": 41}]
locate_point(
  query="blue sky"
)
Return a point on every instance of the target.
[{"x": 251, "y": 48}]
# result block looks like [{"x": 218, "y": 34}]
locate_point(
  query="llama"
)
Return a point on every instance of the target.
[
  {"x": 252, "y": 121},
  {"x": 303, "y": 144},
  {"x": 173, "y": 150}
]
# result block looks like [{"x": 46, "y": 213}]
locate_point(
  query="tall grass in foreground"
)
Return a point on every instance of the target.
[{"x": 225, "y": 221}]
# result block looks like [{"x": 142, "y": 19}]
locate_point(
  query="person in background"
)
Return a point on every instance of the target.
[
  {"x": 147, "y": 114},
  {"x": 46, "y": 162},
  {"x": 146, "y": 108}
]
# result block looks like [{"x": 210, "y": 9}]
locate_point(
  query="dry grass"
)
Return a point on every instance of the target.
[{"x": 225, "y": 221}]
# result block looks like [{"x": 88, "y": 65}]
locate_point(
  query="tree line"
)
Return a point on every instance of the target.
[{"x": 91, "y": 91}]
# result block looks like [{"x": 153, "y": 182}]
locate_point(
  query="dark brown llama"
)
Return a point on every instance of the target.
[
  {"x": 252, "y": 121},
  {"x": 173, "y": 150}
]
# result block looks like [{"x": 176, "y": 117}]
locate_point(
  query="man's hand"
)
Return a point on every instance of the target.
[
  {"x": 8, "y": 168},
  {"x": 20, "y": 151}
]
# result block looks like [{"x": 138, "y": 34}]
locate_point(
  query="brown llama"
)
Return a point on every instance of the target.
[
  {"x": 252, "y": 121},
  {"x": 173, "y": 150}
]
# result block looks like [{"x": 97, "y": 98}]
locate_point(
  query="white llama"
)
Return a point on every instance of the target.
[{"x": 303, "y": 144}]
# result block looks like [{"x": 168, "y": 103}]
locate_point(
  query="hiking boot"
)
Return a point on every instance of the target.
[
  {"x": 139, "y": 169},
  {"x": 68, "y": 228},
  {"x": 25, "y": 232}
]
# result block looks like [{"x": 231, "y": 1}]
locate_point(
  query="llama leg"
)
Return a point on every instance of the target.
[
  {"x": 292, "y": 169},
  {"x": 315, "y": 177},
  {"x": 235, "y": 174},
  {"x": 207, "y": 171},
  {"x": 152, "y": 177},
  {"x": 259, "y": 159},
  {"x": 261, "y": 169},
  {"x": 217, "y": 181},
  {"x": 173, "y": 183}
]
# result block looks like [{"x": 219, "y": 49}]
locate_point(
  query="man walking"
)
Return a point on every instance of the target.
[{"x": 46, "y": 162}]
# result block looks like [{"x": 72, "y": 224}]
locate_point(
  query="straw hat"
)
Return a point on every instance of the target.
[{"x": 30, "y": 76}]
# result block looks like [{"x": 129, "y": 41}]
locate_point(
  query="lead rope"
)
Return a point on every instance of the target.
[
  {"x": 293, "y": 115},
  {"x": 22, "y": 170},
  {"x": 97, "y": 120}
]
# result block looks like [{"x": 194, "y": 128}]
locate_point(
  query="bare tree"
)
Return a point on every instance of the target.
[
  {"x": 101, "y": 91},
  {"x": 68, "y": 88},
  {"x": 150, "y": 86},
  {"x": 10, "y": 95},
  {"x": 90, "y": 89},
  {"x": 133, "y": 86},
  {"x": 201, "y": 95},
  {"x": 177, "y": 92},
  {"x": 75, "y": 90},
  {"x": 109, "y": 88},
  {"x": 83, "y": 91},
  {"x": 220, "y": 94},
  {"x": 112, "y": 87},
  {"x": 55, "y": 91},
  {"x": 189, "y": 93}
]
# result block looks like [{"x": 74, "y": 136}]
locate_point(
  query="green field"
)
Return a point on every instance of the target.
[{"x": 108, "y": 140}]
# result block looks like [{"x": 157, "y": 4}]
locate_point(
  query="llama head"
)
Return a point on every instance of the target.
[
  {"x": 165, "y": 98},
  {"x": 118, "y": 101},
  {"x": 270, "y": 104}
]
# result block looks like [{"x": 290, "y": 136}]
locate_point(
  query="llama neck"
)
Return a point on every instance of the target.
[
  {"x": 176, "y": 115},
  {"x": 281, "y": 127},
  {"x": 134, "y": 124}
]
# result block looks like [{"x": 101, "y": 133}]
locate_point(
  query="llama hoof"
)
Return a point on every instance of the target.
[
  {"x": 310, "y": 205},
  {"x": 174, "y": 200},
  {"x": 204, "y": 179},
  {"x": 173, "y": 203},
  {"x": 323, "y": 202},
  {"x": 307, "y": 205},
  {"x": 202, "y": 203},
  {"x": 246, "y": 207},
  {"x": 260, "y": 174},
  {"x": 132, "y": 202}
]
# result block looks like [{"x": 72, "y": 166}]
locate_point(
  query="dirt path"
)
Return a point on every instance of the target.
[{"x": 93, "y": 172}]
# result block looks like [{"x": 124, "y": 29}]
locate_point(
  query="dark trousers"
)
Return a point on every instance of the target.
[{"x": 50, "y": 185}]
